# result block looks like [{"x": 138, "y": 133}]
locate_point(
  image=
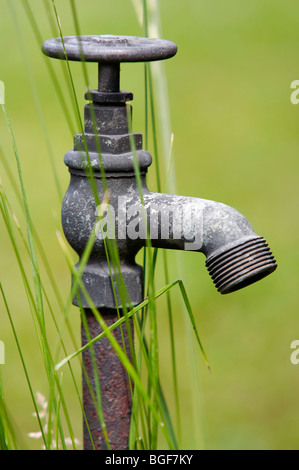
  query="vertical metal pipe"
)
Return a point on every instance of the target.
[
  {"x": 109, "y": 77},
  {"x": 115, "y": 389}
]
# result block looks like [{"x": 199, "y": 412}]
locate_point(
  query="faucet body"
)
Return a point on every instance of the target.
[{"x": 130, "y": 216}]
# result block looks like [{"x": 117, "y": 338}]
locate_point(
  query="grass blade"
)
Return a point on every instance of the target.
[{"x": 24, "y": 365}]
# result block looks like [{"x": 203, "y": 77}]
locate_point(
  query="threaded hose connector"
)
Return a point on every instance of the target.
[{"x": 241, "y": 265}]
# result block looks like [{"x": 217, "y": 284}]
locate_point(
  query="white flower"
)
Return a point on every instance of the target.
[
  {"x": 43, "y": 413},
  {"x": 35, "y": 435}
]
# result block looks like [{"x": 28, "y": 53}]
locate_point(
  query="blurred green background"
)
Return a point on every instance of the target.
[{"x": 236, "y": 140}]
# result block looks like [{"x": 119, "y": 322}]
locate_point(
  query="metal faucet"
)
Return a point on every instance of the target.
[{"x": 235, "y": 255}]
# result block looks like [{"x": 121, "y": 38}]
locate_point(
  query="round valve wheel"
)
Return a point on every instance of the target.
[{"x": 109, "y": 49}]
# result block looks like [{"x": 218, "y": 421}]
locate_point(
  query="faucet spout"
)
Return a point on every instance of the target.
[{"x": 235, "y": 255}]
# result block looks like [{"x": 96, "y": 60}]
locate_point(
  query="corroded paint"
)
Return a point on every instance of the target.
[{"x": 114, "y": 384}]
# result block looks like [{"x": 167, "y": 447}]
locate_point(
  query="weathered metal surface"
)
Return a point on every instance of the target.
[
  {"x": 109, "y": 49},
  {"x": 235, "y": 255},
  {"x": 114, "y": 385},
  {"x": 173, "y": 222}
]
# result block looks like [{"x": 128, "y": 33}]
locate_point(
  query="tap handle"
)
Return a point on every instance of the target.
[{"x": 109, "y": 51}]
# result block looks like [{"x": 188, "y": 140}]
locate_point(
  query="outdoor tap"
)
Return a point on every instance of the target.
[
  {"x": 109, "y": 159},
  {"x": 235, "y": 255}
]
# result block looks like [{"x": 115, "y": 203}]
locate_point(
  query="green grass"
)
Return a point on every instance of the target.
[
  {"x": 149, "y": 400},
  {"x": 218, "y": 121}
]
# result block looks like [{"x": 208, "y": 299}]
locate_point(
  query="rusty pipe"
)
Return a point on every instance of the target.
[{"x": 115, "y": 387}]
